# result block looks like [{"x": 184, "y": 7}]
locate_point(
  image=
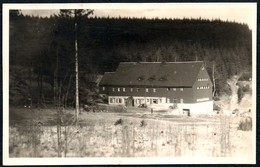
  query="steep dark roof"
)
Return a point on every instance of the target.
[
  {"x": 154, "y": 74},
  {"x": 107, "y": 78}
]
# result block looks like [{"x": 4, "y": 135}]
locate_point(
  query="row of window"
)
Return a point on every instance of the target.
[
  {"x": 203, "y": 87},
  {"x": 203, "y": 79},
  {"x": 141, "y": 100},
  {"x": 138, "y": 89},
  {"x": 174, "y": 89}
]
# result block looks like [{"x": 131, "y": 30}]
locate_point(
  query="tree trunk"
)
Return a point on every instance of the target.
[
  {"x": 55, "y": 84},
  {"x": 67, "y": 93},
  {"x": 213, "y": 79},
  {"x": 76, "y": 71}
]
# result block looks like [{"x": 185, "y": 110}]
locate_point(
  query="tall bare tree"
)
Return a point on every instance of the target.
[{"x": 77, "y": 15}]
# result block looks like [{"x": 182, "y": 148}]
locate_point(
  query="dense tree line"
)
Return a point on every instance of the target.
[{"x": 41, "y": 43}]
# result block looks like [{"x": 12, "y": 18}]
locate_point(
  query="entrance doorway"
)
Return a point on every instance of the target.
[{"x": 186, "y": 112}]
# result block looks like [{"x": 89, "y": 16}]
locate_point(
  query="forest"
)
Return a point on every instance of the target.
[{"x": 42, "y": 50}]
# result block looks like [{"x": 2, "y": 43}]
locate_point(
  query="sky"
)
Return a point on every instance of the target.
[{"x": 238, "y": 12}]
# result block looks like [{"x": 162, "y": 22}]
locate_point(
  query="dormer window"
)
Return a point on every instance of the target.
[
  {"x": 140, "y": 78},
  {"x": 163, "y": 78},
  {"x": 152, "y": 78}
]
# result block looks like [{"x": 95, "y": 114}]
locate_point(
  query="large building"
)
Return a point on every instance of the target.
[{"x": 184, "y": 85}]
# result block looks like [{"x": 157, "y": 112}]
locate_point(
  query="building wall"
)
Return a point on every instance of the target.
[
  {"x": 205, "y": 107},
  {"x": 197, "y": 98},
  {"x": 202, "y": 88},
  {"x": 178, "y": 95}
]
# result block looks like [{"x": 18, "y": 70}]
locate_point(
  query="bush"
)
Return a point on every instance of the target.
[
  {"x": 216, "y": 107},
  {"x": 240, "y": 94},
  {"x": 143, "y": 123},
  {"x": 245, "y": 124},
  {"x": 118, "y": 122},
  {"x": 246, "y": 89}
]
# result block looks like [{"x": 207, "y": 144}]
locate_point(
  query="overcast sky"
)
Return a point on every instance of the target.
[{"x": 241, "y": 13}]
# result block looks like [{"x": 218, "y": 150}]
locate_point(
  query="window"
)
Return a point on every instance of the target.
[
  {"x": 168, "y": 89},
  {"x": 168, "y": 100},
  {"x": 118, "y": 89},
  {"x": 112, "y": 100},
  {"x": 103, "y": 88},
  {"x": 148, "y": 100},
  {"x": 174, "y": 89},
  {"x": 120, "y": 100},
  {"x": 146, "y": 89},
  {"x": 160, "y": 100},
  {"x": 154, "y": 90},
  {"x": 113, "y": 89},
  {"x": 137, "y": 89},
  {"x": 123, "y": 89},
  {"x": 198, "y": 87},
  {"x": 181, "y": 100},
  {"x": 155, "y": 101},
  {"x": 181, "y": 89},
  {"x": 131, "y": 89}
]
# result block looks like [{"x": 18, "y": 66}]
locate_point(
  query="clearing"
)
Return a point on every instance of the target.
[{"x": 135, "y": 133}]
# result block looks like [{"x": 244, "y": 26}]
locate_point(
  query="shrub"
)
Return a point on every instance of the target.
[
  {"x": 216, "y": 98},
  {"x": 118, "y": 122},
  {"x": 246, "y": 89},
  {"x": 245, "y": 124},
  {"x": 216, "y": 107},
  {"x": 240, "y": 94},
  {"x": 143, "y": 123}
]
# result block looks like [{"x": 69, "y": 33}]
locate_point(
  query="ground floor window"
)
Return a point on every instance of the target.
[
  {"x": 155, "y": 101},
  {"x": 112, "y": 100},
  {"x": 175, "y": 100}
]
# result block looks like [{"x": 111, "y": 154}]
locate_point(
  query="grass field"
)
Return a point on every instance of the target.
[{"x": 135, "y": 133}]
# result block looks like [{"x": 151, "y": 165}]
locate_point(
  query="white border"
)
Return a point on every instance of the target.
[{"x": 71, "y": 161}]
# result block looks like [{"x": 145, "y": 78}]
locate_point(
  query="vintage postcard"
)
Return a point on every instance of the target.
[{"x": 135, "y": 83}]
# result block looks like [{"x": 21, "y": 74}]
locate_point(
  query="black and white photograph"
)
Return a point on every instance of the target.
[{"x": 129, "y": 83}]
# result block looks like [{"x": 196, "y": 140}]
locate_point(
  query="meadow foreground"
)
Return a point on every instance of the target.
[{"x": 135, "y": 133}]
